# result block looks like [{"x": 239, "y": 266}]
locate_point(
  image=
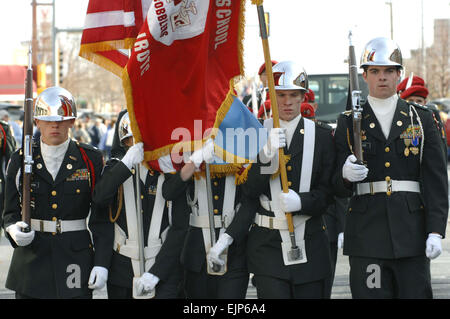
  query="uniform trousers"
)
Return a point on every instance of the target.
[
  {"x": 200, "y": 285},
  {"x": 330, "y": 280},
  {"x": 164, "y": 290},
  {"x": 21, "y": 296},
  {"x": 403, "y": 278},
  {"x": 268, "y": 287}
]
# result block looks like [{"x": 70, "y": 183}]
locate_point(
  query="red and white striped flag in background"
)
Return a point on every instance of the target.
[{"x": 110, "y": 29}]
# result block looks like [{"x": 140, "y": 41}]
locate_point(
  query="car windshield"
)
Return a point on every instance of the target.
[{"x": 331, "y": 92}]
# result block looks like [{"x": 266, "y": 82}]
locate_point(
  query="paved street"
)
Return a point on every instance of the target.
[{"x": 440, "y": 273}]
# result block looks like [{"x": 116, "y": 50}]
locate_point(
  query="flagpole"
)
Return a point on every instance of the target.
[{"x": 294, "y": 254}]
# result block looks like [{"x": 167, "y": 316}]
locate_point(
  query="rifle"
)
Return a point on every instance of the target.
[
  {"x": 356, "y": 102},
  {"x": 140, "y": 243},
  {"x": 27, "y": 150}
]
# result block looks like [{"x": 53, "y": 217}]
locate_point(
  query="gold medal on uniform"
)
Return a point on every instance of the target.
[
  {"x": 407, "y": 142},
  {"x": 414, "y": 150}
]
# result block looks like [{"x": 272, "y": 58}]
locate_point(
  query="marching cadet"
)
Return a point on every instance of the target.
[
  {"x": 310, "y": 150},
  {"x": 56, "y": 259},
  {"x": 398, "y": 209},
  {"x": 7, "y": 148},
  {"x": 116, "y": 190},
  {"x": 198, "y": 257}
]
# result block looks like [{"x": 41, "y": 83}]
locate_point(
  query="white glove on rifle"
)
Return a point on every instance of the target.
[
  {"x": 222, "y": 243},
  {"x": 147, "y": 282},
  {"x": 290, "y": 202},
  {"x": 134, "y": 155},
  {"x": 276, "y": 140},
  {"x": 205, "y": 154},
  {"x": 16, "y": 233},
  {"x": 340, "y": 242},
  {"x": 354, "y": 172},
  {"x": 98, "y": 277},
  {"x": 434, "y": 246}
]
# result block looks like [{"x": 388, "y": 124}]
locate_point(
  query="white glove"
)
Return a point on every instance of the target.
[
  {"x": 340, "y": 242},
  {"x": 290, "y": 202},
  {"x": 354, "y": 172},
  {"x": 134, "y": 155},
  {"x": 147, "y": 282},
  {"x": 205, "y": 154},
  {"x": 98, "y": 277},
  {"x": 16, "y": 233},
  {"x": 434, "y": 246},
  {"x": 222, "y": 243},
  {"x": 276, "y": 140}
]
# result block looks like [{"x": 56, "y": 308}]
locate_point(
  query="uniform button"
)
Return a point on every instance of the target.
[
  {"x": 387, "y": 149},
  {"x": 53, "y": 193},
  {"x": 388, "y": 178},
  {"x": 289, "y": 168},
  {"x": 387, "y": 164},
  {"x": 78, "y": 191},
  {"x": 142, "y": 196},
  {"x": 289, "y": 183},
  {"x": 54, "y": 219},
  {"x": 55, "y": 206},
  {"x": 216, "y": 197},
  {"x": 216, "y": 211}
]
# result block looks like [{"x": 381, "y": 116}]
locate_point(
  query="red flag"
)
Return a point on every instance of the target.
[
  {"x": 111, "y": 27},
  {"x": 179, "y": 80}
]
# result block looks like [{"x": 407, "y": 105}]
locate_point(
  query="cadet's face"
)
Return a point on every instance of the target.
[
  {"x": 54, "y": 133},
  {"x": 263, "y": 78},
  {"x": 416, "y": 99},
  {"x": 289, "y": 103},
  {"x": 382, "y": 81}
]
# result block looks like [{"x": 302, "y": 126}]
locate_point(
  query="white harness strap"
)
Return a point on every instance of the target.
[
  {"x": 129, "y": 246},
  {"x": 305, "y": 184},
  {"x": 228, "y": 202},
  {"x": 130, "y": 208},
  {"x": 154, "y": 241},
  {"x": 202, "y": 200}
]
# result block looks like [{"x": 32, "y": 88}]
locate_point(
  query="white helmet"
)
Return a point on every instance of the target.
[
  {"x": 381, "y": 52},
  {"x": 124, "y": 127},
  {"x": 288, "y": 75},
  {"x": 55, "y": 104}
]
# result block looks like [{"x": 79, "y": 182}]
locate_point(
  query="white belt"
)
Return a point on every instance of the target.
[
  {"x": 387, "y": 187},
  {"x": 129, "y": 248},
  {"x": 271, "y": 222},
  {"x": 220, "y": 221},
  {"x": 58, "y": 226}
]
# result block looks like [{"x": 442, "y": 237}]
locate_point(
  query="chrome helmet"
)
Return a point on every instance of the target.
[
  {"x": 55, "y": 104},
  {"x": 124, "y": 127},
  {"x": 288, "y": 75},
  {"x": 381, "y": 52}
]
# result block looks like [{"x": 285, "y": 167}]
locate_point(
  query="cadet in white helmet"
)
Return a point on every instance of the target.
[
  {"x": 57, "y": 259},
  {"x": 310, "y": 150},
  {"x": 398, "y": 210}
]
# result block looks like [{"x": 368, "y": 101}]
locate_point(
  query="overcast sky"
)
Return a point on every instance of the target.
[{"x": 312, "y": 32}]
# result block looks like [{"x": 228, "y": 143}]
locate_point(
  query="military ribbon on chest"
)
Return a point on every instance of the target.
[
  {"x": 81, "y": 174},
  {"x": 411, "y": 137}
]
